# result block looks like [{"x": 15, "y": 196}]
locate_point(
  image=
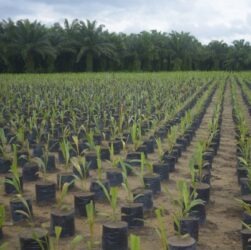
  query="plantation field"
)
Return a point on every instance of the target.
[{"x": 120, "y": 161}]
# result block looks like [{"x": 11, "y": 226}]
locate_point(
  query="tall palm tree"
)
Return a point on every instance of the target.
[
  {"x": 239, "y": 56},
  {"x": 63, "y": 40},
  {"x": 92, "y": 42},
  {"x": 131, "y": 54},
  {"x": 31, "y": 41},
  {"x": 182, "y": 48},
  {"x": 218, "y": 51},
  {"x": 7, "y": 28}
]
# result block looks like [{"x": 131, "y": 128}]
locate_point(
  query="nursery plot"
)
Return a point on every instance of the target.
[{"x": 103, "y": 161}]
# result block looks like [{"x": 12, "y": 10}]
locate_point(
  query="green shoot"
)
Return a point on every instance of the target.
[
  {"x": 161, "y": 228},
  {"x": 15, "y": 181},
  {"x": 134, "y": 242},
  {"x": 27, "y": 213},
  {"x": 160, "y": 149},
  {"x": 90, "y": 140},
  {"x": 99, "y": 162},
  {"x": 65, "y": 149},
  {"x": 62, "y": 195},
  {"x": 125, "y": 183},
  {"x": 2, "y": 215},
  {"x": 81, "y": 176},
  {"x": 112, "y": 198},
  {"x": 75, "y": 242},
  {"x": 90, "y": 211}
]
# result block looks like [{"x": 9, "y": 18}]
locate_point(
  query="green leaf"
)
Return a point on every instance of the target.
[
  {"x": 134, "y": 242},
  {"x": 75, "y": 242}
]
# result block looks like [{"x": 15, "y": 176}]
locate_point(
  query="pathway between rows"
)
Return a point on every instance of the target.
[{"x": 221, "y": 230}]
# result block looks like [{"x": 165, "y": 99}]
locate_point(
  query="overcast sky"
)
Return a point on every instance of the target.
[{"x": 206, "y": 19}]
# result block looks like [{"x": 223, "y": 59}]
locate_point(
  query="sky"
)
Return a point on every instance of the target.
[{"x": 207, "y": 20}]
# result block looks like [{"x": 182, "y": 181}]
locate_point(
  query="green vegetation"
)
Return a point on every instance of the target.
[{"x": 27, "y": 46}]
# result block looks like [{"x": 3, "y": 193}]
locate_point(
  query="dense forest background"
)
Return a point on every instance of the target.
[{"x": 79, "y": 46}]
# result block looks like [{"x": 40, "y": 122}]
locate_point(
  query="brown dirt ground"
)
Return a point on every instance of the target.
[{"x": 221, "y": 230}]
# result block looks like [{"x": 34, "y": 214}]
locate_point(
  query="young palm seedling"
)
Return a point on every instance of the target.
[
  {"x": 13, "y": 184},
  {"x": 67, "y": 176},
  {"x": 5, "y": 153},
  {"x": 171, "y": 155},
  {"x": 131, "y": 212},
  {"x": 161, "y": 228},
  {"x": 161, "y": 167},
  {"x": 186, "y": 201},
  {"x": 79, "y": 160},
  {"x": 151, "y": 180},
  {"x": 95, "y": 187},
  {"x": 81, "y": 199},
  {"x": 200, "y": 177},
  {"x": 136, "y": 135},
  {"x": 144, "y": 194},
  {"x": 112, "y": 197},
  {"x": 34, "y": 236},
  {"x": 45, "y": 189},
  {"x": 63, "y": 214},
  {"x": 90, "y": 212},
  {"x": 90, "y": 140},
  {"x": 114, "y": 229},
  {"x": 171, "y": 138},
  {"x": 54, "y": 243},
  {"x": 114, "y": 174}
]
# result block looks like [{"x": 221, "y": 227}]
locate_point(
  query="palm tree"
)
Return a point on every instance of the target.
[
  {"x": 217, "y": 51},
  {"x": 64, "y": 42},
  {"x": 6, "y": 33},
  {"x": 182, "y": 48},
  {"x": 131, "y": 55},
  {"x": 31, "y": 41},
  {"x": 239, "y": 56},
  {"x": 92, "y": 42}
]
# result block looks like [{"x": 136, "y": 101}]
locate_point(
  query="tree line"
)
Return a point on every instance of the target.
[{"x": 77, "y": 46}]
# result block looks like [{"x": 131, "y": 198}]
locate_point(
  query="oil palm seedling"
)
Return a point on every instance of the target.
[
  {"x": 90, "y": 139},
  {"x": 147, "y": 176},
  {"x": 112, "y": 197},
  {"x": 171, "y": 155},
  {"x": 67, "y": 176},
  {"x": 94, "y": 186},
  {"x": 200, "y": 177},
  {"x": 13, "y": 181},
  {"x": 171, "y": 138},
  {"x": 79, "y": 160},
  {"x": 63, "y": 214},
  {"x": 115, "y": 228},
  {"x": 5, "y": 153},
  {"x": 45, "y": 189},
  {"x": 20, "y": 137},
  {"x": 91, "y": 217},
  {"x": 65, "y": 147},
  {"x": 34, "y": 236},
  {"x": 161, "y": 228},
  {"x": 131, "y": 211},
  {"x": 161, "y": 167},
  {"x": 82, "y": 198},
  {"x": 136, "y": 135},
  {"x": 114, "y": 174},
  {"x": 184, "y": 222},
  {"x": 144, "y": 194},
  {"x": 20, "y": 203}
]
